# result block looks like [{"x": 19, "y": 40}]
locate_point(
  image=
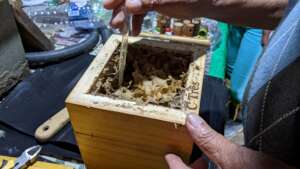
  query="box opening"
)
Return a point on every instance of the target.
[{"x": 153, "y": 74}]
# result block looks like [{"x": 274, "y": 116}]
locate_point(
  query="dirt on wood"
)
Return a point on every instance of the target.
[{"x": 152, "y": 75}]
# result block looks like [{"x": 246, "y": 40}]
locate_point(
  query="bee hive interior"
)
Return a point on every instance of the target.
[{"x": 153, "y": 75}]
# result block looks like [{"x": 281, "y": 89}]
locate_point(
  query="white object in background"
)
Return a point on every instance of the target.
[
  {"x": 32, "y": 2},
  {"x": 80, "y": 3}
]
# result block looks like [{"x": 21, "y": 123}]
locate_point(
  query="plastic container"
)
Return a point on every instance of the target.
[{"x": 168, "y": 31}]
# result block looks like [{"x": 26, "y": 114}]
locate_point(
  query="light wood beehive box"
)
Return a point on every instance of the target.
[{"x": 115, "y": 133}]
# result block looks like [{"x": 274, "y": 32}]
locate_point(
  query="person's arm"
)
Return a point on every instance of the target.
[
  {"x": 266, "y": 37},
  {"x": 264, "y": 14}
]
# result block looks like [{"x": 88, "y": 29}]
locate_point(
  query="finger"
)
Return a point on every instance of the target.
[
  {"x": 138, "y": 6},
  {"x": 175, "y": 162},
  {"x": 137, "y": 21},
  {"x": 215, "y": 146},
  {"x": 112, "y": 4},
  {"x": 201, "y": 163},
  {"x": 143, "y": 6},
  {"x": 118, "y": 19}
]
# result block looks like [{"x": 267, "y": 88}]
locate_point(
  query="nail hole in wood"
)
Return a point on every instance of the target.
[{"x": 45, "y": 128}]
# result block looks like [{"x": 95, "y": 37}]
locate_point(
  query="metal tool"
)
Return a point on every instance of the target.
[
  {"x": 4, "y": 163},
  {"x": 27, "y": 157},
  {"x": 124, "y": 45}
]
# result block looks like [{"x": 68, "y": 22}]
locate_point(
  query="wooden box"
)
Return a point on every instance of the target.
[{"x": 114, "y": 133}]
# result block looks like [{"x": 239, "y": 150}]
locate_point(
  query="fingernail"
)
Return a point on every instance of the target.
[
  {"x": 168, "y": 156},
  {"x": 194, "y": 120},
  {"x": 136, "y": 3}
]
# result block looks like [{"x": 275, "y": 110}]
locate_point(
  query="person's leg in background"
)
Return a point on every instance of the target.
[{"x": 249, "y": 51}]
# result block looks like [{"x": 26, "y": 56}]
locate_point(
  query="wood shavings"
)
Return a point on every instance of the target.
[{"x": 152, "y": 75}]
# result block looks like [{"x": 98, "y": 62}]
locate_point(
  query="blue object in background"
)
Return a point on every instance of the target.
[
  {"x": 82, "y": 16},
  {"x": 244, "y": 48},
  {"x": 80, "y": 12},
  {"x": 235, "y": 36}
]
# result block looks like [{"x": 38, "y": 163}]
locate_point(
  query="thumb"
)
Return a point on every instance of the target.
[
  {"x": 215, "y": 146},
  {"x": 175, "y": 162}
]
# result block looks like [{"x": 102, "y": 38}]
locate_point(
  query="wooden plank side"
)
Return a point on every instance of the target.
[
  {"x": 174, "y": 38},
  {"x": 114, "y": 140},
  {"x": 129, "y": 107},
  {"x": 93, "y": 71},
  {"x": 193, "y": 91}
]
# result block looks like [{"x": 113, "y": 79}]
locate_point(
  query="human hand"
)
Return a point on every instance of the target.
[
  {"x": 225, "y": 154},
  {"x": 266, "y": 38},
  {"x": 172, "y": 8}
]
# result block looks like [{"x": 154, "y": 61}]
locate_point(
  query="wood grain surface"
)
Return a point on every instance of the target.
[
  {"x": 119, "y": 134},
  {"x": 52, "y": 126}
]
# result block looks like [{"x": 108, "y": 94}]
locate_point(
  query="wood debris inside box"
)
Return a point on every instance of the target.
[
  {"x": 152, "y": 75},
  {"x": 162, "y": 83}
]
